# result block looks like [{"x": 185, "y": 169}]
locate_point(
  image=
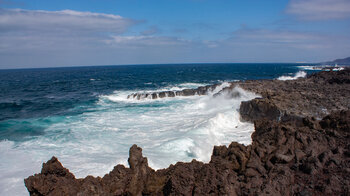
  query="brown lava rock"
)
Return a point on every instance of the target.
[{"x": 293, "y": 152}]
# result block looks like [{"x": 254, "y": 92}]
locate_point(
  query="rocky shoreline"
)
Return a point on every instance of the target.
[{"x": 301, "y": 146}]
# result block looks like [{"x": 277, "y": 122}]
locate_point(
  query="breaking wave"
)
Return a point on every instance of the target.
[
  {"x": 299, "y": 74},
  {"x": 169, "y": 130}
]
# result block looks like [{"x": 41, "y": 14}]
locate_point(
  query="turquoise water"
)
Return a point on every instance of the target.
[{"x": 82, "y": 116}]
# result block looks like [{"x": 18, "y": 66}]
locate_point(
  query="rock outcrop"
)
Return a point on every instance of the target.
[
  {"x": 259, "y": 108},
  {"x": 293, "y": 152},
  {"x": 203, "y": 90},
  {"x": 315, "y": 96}
]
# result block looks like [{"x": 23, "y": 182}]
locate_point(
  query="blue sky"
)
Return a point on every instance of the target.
[{"x": 49, "y": 33}]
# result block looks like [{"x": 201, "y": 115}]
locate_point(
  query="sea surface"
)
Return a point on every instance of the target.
[{"x": 82, "y": 116}]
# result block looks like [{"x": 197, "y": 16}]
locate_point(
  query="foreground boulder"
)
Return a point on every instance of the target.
[
  {"x": 312, "y": 158},
  {"x": 53, "y": 173}
]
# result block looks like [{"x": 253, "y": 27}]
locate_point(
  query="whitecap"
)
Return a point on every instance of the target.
[
  {"x": 299, "y": 74},
  {"x": 310, "y": 67}
]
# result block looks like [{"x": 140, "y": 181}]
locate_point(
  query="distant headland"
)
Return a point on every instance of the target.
[{"x": 344, "y": 62}]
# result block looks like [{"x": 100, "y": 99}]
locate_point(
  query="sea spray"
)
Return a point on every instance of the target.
[
  {"x": 299, "y": 74},
  {"x": 168, "y": 130}
]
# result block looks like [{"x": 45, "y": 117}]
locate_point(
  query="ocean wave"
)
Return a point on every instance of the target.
[
  {"x": 152, "y": 95},
  {"x": 178, "y": 87},
  {"x": 122, "y": 96},
  {"x": 299, "y": 74},
  {"x": 169, "y": 130},
  {"x": 322, "y": 68},
  {"x": 93, "y": 142},
  {"x": 310, "y": 67},
  {"x": 15, "y": 165},
  {"x": 196, "y": 123}
]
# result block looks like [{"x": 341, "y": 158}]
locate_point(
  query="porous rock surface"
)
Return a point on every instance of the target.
[
  {"x": 293, "y": 152},
  {"x": 317, "y": 95}
]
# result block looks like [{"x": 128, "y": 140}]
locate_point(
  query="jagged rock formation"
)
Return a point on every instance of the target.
[
  {"x": 203, "y": 90},
  {"x": 292, "y": 152},
  {"x": 315, "y": 96},
  {"x": 259, "y": 108}
]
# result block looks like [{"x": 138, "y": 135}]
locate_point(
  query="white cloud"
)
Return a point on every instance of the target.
[
  {"x": 267, "y": 45},
  {"x": 65, "y": 38},
  {"x": 282, "y": 38},
  {"x": 319, "y": 9},
  {"x": 30, "y": 38},
  {"x": 49, "y": 33},
  {"x": 60, "y": 22},
  {"x": 143, "y": 41}
]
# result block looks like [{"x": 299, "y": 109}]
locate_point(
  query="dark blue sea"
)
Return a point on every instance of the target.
[{"x": 82, "y": 115}]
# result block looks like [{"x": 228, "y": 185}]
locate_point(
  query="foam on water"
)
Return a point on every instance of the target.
[
  {"x": 168, "y": 130},
  {"x": 322, "y": 68},
  {"x": 310, "y": 67},
  {"x": 299, "y": 74},
  {"x": 122, "y": 96}
]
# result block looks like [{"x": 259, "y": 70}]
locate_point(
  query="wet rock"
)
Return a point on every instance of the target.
[
  {"x": 203, "y": 90},
  {"x": 154, "y": 96},
  {"x": 259, "y": 108}
]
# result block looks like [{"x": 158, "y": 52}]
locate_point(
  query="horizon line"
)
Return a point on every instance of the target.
[{"x": 111, "y": 65}]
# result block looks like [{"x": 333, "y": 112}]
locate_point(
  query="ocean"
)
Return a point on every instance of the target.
[{"x": 82, "y": 116}]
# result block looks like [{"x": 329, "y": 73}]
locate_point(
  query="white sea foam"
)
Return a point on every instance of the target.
[
  {"x": 179, "y": 87},
  {"x": 299, "y": 74},
  {"x": 15, "y": 165},
  {"x": 338, "y": 68},
  {"x": 122, "y": 96},
  {"x": 322, "y": 68},
  {"x": 168, "y": 130},
  {"x": 310, "y": 67}
]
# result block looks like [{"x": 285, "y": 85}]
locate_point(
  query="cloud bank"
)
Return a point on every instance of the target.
[
  {"x": 38, "y": 38},
  {"x": 319, "y": 9},
  {"x": 22, "y": 30},
  {"x": 65, "y": 21}
]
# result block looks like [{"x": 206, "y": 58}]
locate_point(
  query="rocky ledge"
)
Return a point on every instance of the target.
[
  {"x": 294, "y": 151},
  {"x": 202, "y": 90},
  {"x": 317, "y": 95}
]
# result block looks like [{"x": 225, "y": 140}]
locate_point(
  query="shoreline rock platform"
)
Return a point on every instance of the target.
[{"x": 301, "y": 146}]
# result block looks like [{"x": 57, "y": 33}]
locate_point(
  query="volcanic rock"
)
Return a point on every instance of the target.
[
  {"x": 315, "y": 96},
  {"x": 296, "y": 150},
  {"x": 202, "y": 90},
  {"x": 259, "y": 108}
]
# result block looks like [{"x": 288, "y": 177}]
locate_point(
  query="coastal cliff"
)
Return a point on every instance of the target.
[{"x": 301, "y": 146}]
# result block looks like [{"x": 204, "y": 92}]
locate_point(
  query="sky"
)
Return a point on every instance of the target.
[{"x": 55, "y": 33}]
